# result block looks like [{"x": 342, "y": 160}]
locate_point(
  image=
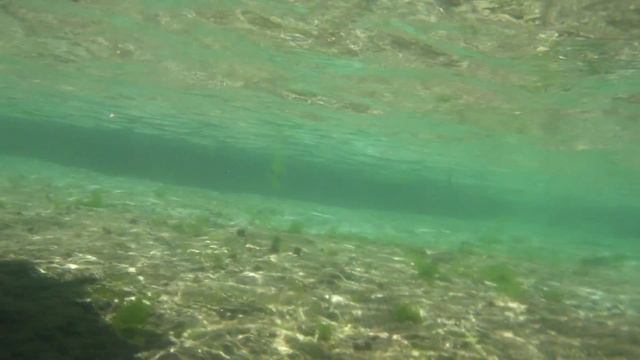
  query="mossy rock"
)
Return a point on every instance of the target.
[
  {"x": 131, "y": 321},
  {"x": 406, "y": 313},
  {"x": 134, "y": 314}
]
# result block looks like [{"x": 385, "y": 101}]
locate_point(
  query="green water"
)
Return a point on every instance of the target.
[{"x": 507, "y": 125}]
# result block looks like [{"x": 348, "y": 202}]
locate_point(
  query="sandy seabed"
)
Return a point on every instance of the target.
[{"x": 110, "y": 268}]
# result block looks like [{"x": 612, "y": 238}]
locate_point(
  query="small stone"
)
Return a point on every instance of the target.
[
  {"x": 257, "y": 268},
  {"x": 241, "y": 232},
  {"x": 169, "y": 356},
  {"x": 297, "y": 251},
  {"x": 102, "y": 304},
  {"x": 228, "y": 349},
  {"x": 249, "y": 279},
  {"x": 362, "y": 345},
  {"x": 310, "y": 349}
]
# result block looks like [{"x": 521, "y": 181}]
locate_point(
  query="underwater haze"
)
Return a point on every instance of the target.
[{"x": 303, "y": 179}]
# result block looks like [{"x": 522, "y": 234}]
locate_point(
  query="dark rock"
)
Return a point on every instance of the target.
[
  {"x": 228, "y": 349},
  {"x": 241, "y": 232},
  {"x": 311, "y": 349},
  {"x": 102, "y": 304},
  {"x": 241, "y": 309},
  {"x": 362, "y": 345},
  {"x": 306, "y": 329},
  {"x": 200, "y": 354},
  {"x": 169, "y": 356},
  {"x": 257, "y": 268},
  {"x": 41, "y": 318},
  {"x": 331, "y": 315}
]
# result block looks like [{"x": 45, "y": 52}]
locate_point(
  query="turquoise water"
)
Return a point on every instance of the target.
[{"x": 502, "y": 130}]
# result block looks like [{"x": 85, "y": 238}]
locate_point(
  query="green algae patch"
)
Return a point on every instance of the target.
[
  {"x": 505, "y": 280},
  {"x": 556, "y": 296},
  {"x": 195, "y": 227},
  {"x": 276, "y": 244},
  {"x": 427, "y": 270},
  {"x": 296, "y": 227},
  {"x": 94, "y": 200},
  {"x": 324, "y": 332}
]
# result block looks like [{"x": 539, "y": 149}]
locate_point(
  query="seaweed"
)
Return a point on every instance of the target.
[
  {"x": 134, "y": 314},
  {"x": 332, "y": 252},
  {"x": 324, "y": 331},
  {"x": 276, "y": 244},
  {"x": 161, "y": 193},
  {"x": 467, "y": 248},
  {"x": 491, "y": 240},
  {"x": 602, "y": 261},
  {"x": 427, "y": 270},
  {"x": 94, "y": 200},
  {"x": 554, "y": 295},
  {"x": 332, "y": 232},
  {"x": 504, "y": 278},
  {"x": 17, "y": 181},
  {"x": 196, "y": 227},
  {"x": 296, "y": 227}
]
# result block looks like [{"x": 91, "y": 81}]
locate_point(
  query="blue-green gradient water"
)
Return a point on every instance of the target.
[{"x": 403, "y": 122}]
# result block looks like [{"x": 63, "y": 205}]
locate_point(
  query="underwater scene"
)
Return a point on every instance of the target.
[{"x": 305, "y": 179}]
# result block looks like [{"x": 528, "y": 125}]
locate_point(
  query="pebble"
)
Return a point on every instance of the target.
[{"x": 362, "y": 345}]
